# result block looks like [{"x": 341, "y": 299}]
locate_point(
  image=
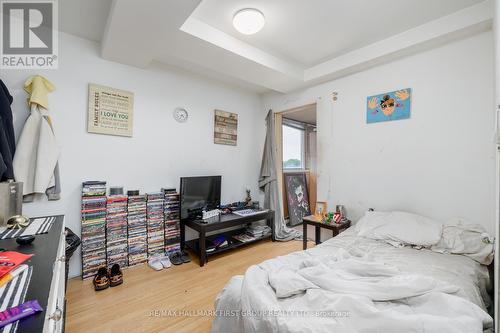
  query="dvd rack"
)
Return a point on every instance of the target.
[
  {"x": 137, "y": 230},
  {"x": 116, "y": 230},
  {"x": 155, "y": 224},
  {"x": 172, "y": 221},
  {"x": 93, "y": 229}
]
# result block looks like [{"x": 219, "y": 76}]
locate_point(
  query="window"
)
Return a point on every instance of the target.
[{"x": 293, "y": 148}]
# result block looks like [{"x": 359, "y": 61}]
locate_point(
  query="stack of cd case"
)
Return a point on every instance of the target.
[
  {"x": 116, "y": 230},
  {"x": 155, "y": 225},
  {"x": 137, "y": 230},
  {"x": 93, "y": 232},
  {"x": 172, "y": 221}
]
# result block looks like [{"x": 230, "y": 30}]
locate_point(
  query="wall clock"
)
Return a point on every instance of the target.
[{"x": 180, "y": 115}]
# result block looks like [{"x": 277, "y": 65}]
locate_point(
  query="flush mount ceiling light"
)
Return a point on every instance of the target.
[{"x": 248, "y": 21}]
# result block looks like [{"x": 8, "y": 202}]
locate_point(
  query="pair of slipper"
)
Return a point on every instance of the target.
[
  {"x": 159, "y": 262},
  {"x": 179, "y": 257}
]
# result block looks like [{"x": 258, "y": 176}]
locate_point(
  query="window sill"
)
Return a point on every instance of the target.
[{"x": 295, "y": 170}]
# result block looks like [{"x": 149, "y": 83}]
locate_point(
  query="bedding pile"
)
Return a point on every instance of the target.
[{"x": 356, "y": 284}]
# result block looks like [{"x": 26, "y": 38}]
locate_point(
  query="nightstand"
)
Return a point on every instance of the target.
[{"x": 318, "y": 225}]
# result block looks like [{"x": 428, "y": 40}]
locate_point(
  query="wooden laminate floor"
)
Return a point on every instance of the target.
[{"x": 131, "y": 307}]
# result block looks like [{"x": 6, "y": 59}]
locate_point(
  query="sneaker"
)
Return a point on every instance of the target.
[
  {"x": 115, "y": 276},
  {"x": 165, "y": 261},
  {"x": 185, "y": 257},
  {"x": 101, "y": 279},
  {"x": 175, "y": 258},
  {"x": 155, "y": 263}
]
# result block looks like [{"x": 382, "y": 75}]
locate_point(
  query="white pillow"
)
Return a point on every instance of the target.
[
  {"x": 400, "y": 228},
  {"x": 471, "y": 240}
]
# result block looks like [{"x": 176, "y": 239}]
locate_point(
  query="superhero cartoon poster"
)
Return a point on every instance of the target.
[{"x": 394, "y": 105}]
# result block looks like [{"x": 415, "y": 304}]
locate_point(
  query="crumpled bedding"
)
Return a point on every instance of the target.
[
  {"x": 353, "y": 284},
  {"x": 471, "y": 240}
]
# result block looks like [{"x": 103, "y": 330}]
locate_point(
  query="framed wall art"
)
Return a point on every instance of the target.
[
  {"x": 110, "y": 111},
  {"x": 225, "y": 128},
  {"x": 389, "y": 106}
]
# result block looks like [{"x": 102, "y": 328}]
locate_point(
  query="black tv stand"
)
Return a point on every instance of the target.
[{"x": 218, "y": 223}]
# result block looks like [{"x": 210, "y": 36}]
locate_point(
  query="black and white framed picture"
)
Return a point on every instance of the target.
[{"x": 297, "y": 197}]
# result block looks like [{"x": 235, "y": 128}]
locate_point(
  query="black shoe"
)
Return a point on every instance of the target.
[
  {"x": 115, "y": 276},
  {"x": 101, "y": 279},
  {"x": 185, "y": 257},
  {"x": 175, "y": 258}
]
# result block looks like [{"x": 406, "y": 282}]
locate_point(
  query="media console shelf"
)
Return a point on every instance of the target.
[{"x": 218, "y": 224}]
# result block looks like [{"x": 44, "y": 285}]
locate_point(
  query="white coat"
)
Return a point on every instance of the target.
[{"x": 37, "y": 151}]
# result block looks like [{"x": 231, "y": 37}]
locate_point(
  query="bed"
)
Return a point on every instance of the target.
[{"x": 352, "y": 284}]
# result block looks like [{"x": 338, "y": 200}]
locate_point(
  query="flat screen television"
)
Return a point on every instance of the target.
[{"x": 198, "y": 194}]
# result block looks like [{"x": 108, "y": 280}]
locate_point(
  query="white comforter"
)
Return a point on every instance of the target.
[{"x": 352, "y": 284}]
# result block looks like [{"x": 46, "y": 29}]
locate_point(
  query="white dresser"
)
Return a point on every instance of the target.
[{"x": 54, "y": 318}]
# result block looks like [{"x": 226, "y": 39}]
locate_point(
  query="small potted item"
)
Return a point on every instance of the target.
[
  {"x": 329, "y": 218},
  {"x": 248, "y": 199}
]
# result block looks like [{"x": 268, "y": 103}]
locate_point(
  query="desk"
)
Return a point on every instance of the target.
[{"x": 202, "y": 227}]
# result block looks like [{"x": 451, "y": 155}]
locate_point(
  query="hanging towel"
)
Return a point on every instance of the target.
[
  {"x": 39, "y": 88},
  {"x": 36, "y": 158},
  {"x": 7, "y": 138}
]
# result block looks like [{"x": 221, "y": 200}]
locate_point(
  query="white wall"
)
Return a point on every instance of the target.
[
  {"x": 439, "y": 163},
  {"x": 161, "y": 149},
  {"x": 496, "y": 28}
]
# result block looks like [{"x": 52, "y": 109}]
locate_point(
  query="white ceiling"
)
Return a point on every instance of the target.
[
  {"x": 311, "y": 31},
  {"x": 304, "y": 42},
  {"x": 84, "y": 18}
]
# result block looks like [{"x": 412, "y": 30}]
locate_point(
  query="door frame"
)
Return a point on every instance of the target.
[{"x": 278, "y": 123}]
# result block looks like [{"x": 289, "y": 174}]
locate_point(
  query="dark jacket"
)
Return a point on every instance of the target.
[{"x": 7, "y": 137}]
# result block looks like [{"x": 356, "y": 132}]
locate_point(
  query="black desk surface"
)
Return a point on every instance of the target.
[
  {"x": 230, "y": 217},
  {"x": 225, "y": 219},
  {"x": 44, "y": 248}
]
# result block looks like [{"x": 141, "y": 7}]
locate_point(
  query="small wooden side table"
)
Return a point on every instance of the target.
[{"x": 318, "y": 224}]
